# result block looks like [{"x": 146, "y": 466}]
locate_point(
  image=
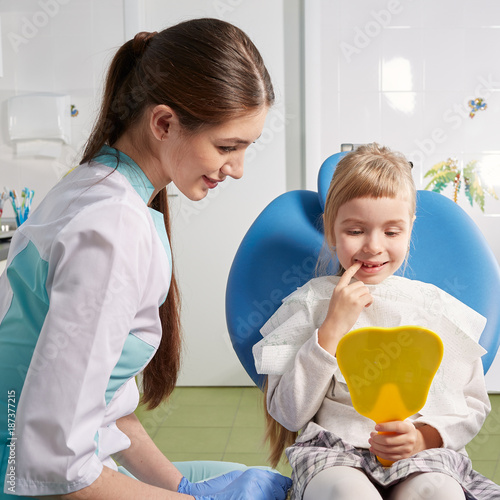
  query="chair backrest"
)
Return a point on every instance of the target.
[{"x": 279, "y": 253}]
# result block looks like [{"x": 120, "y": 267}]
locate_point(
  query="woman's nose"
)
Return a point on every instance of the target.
[{"x": 234, "y": 167}]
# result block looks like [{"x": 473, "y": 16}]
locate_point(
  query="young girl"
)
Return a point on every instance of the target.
[{"x": 368, "y": 219}]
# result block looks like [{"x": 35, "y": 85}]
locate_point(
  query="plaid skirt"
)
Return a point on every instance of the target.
[{"x": 328, "y": 450}]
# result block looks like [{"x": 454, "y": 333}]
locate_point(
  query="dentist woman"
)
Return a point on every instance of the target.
[{"x": 89, "y": 300}]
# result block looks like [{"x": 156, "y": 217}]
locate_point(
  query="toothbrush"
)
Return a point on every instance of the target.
[
  {"x": 15, "y": 205},
  {"x": 27, "y": 195},
  {"x": 3, "y": 197},
  {"x": 23, "y": 204},
  {"x": 21, "y": 208}
]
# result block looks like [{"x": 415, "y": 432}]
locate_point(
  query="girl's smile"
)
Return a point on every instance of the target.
[{"x": 370, "y": 267}]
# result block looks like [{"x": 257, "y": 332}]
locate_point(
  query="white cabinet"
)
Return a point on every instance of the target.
[{"x": 2, "y": 265}]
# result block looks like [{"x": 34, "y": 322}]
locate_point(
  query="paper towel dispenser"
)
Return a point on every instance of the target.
[{"x": 35, "y": 119}]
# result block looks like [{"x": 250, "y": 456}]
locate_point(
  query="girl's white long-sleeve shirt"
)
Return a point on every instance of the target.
[
  {"x": 79, "y": 319},
  {"x": 305, "y": 383}
]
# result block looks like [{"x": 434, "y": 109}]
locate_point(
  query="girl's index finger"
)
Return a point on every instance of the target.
[{"x": 349, "y": 274}]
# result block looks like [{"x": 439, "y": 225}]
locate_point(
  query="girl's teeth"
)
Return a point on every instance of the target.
[{"x": 370, "y": 265}]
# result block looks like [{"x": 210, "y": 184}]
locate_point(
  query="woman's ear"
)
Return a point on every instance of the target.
[{"x": 162, "y": 120}]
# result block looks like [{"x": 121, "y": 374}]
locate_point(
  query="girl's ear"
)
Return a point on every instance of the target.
[{"x": 162, "y": 120}]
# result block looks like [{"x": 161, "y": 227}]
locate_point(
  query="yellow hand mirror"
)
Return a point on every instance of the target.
[{"x": 389, "y": 370}]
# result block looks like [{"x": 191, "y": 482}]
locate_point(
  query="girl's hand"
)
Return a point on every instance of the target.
[
  {"x": 347, "y": 302},
  {"x": 403, "y": 440}
]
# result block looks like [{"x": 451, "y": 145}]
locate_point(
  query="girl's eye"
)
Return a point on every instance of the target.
[
  {"x": 354, "y": 232},
  {"x": 392, "y": 233},
  {"x": 227, "y": 149}
]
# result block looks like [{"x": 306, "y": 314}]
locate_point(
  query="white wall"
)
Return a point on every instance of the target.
[
  {"x": 401, "y": 73},
  {"x": 493, "y": 376},
  {"x": 57, "y": 46}
]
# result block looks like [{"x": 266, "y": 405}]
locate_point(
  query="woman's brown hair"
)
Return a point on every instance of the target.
[{"x": 208, "y": 71}]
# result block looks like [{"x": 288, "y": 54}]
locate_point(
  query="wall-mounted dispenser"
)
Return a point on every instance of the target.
[{"x": 39, "y": 124}]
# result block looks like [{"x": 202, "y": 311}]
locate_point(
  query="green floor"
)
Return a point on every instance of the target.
[{"x": 227, "y": 423}]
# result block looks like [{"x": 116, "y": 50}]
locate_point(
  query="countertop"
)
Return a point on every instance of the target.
[
  {"x": 7, "y": 229},
  {"x": 4, "y": 248}
]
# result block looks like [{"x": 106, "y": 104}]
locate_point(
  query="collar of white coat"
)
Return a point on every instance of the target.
[{"x": 114, "y": 158}]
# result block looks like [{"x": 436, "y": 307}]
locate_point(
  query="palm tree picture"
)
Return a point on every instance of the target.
[{"x": 448, "y": 172}]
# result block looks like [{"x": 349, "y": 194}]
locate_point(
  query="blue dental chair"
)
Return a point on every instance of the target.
[{"x": 279, "y": 252}]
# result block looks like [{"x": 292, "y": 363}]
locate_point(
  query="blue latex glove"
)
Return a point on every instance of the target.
[
  {"x": 208, "y": 487},
  {"x": 253, "y": 484}
]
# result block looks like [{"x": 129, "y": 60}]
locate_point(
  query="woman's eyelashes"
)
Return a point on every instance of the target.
[
  {"x": 231, "y": 148},
  {"x": 227, "y": 149}
]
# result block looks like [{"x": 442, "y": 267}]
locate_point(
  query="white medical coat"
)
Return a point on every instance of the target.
[{"x": 79, "y": 319}]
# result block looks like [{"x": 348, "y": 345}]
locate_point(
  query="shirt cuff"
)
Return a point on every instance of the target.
[{"x": 323, "y": 354}]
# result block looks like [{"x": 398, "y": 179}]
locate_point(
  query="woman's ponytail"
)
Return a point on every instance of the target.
[
  {"x": 119, "y": 107},
  {"x": 160, "y": 375}
]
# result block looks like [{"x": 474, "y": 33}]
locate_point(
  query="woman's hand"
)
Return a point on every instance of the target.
[
  {"x": 402, "y": 439},
  {"x": 209, "y": 486},
  {"x": 252, "y": 484},
  {"x": 347, "y": 302}
]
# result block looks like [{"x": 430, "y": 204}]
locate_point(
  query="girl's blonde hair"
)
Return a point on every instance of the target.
[
  {"x": 276, "y": 435},
  {"x": 370, "y": 171}
]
